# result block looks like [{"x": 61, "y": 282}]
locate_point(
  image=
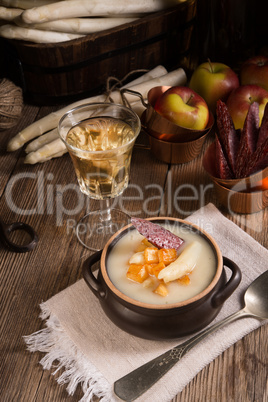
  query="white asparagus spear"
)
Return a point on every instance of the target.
[
  {"x": 47, "y": 157},
  {"x": 175, "y": 77},
  {"x": 136, "y": 106},
  {"x": 24, "y": 4},
  {"x": 9, "y": 14},
  {"x": 42, "y": 140},
  {"x": 41, "y": 153},
  {"x": 34, "y": 35},
  {"x": 83, "y": 26},
  {"x": 53, "y": 134},
  {"x": 46, "y": 152},
  {"x": 156, "y": 72},
  {"x": 183, "y": 265},
  {"x": 95, "y": 8},
  {"x": 56, "y": 155}
]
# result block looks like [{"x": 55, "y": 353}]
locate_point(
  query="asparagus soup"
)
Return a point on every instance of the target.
[{"x": 187, "y": 273}]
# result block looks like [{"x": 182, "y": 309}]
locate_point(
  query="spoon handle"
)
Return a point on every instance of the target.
[{"x": 134, "y": 384}]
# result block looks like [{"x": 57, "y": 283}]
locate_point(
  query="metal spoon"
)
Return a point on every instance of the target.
[{"x": 134, "y": 384}]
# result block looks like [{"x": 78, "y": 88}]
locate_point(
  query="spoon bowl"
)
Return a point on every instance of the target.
[
  {"x": 256, "y": 305},
  {"x": 256, "y": 297}
]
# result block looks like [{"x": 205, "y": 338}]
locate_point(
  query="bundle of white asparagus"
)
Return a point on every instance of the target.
[
  {"x": 46, "y": 143},
  {"x": 48, "y": 21}
]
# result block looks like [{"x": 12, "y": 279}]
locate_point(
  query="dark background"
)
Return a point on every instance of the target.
[
  {"x": 227, "y": 31},
  {"x": 231, "y": 31}
]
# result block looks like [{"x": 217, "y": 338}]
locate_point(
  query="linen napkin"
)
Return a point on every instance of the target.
[{"x": 94, "y": 352}]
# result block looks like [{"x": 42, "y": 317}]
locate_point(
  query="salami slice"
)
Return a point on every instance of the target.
[
  {"x": 222, "y": 168},
  {"x": 157, "y": 234},
  {"x": 263, "y": 133},
  {"x": 248, "y": 140},
  {"x": 259, "y": 160},
  {"x": 227, "y": 134}
]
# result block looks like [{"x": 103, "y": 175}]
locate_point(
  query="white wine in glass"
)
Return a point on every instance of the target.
[{"x": 100, "y": 138}]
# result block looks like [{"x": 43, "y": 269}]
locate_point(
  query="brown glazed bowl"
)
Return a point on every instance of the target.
[{"x": 167, "y": 321}]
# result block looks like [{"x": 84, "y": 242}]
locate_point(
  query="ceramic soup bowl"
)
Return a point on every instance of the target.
[{"x": 137, "y": 309}]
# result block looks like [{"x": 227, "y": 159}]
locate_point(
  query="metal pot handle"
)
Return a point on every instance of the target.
[
  {"x": 125, "y": 101},
  {"x": 93, "y": 283},
  {"x": 229, "y": 287}
]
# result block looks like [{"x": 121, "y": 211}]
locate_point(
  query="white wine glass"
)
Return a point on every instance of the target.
[{"x": 100, "y": 138}]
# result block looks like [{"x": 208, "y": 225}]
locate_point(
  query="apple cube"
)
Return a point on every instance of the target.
[
  {"x": 137, "y": 273},
  {"x": 161, "y": 290},
  {"x": 157, "y": 268},
  {"x": 146, "y": 242},
  {"x": 141, "y": 247},
  {"x": 167, "y": 255},
  {"x": 149, "y": 268},
  {"x": 185, "y": 280},
  {"x": 151, "y": 255}
]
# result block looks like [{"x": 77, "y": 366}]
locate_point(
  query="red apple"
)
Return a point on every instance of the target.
[
  {"x": 239, "y": 100},
  {"x": 213, "y": 81},
  {"x": 255, "y": 72},
  {"x": 184, "y": 107}
]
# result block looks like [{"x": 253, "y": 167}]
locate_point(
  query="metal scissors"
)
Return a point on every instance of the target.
[{"x": 5, "y": 236}]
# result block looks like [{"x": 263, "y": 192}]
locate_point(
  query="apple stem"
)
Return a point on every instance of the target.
[
  {"x": 190, "y": 98},
  {"x": 211, "y": 68}
]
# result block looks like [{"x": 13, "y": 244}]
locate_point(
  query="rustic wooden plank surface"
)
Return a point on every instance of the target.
[{"x": 239, "y": 374}]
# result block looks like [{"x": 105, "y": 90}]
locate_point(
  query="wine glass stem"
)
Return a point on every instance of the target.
[{"x": 105, "y": 208}]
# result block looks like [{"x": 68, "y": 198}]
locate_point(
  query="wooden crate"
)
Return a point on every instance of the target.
[{"x": 73, "y": 69}]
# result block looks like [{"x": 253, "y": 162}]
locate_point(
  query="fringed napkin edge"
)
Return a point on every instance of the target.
[{"x": 62, "y": 353}]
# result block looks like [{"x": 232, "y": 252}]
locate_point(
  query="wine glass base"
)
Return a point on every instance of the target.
[{"x": 93, "y": 233}]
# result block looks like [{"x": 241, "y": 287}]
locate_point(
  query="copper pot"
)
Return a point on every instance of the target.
[
  {"x": 160, "y": 127},
  {"x": 168, "y": 321},
  {"x": 243, "y": 196},
  {"x": 163, "y": 129},
  {"x": 169, "y": 142}
]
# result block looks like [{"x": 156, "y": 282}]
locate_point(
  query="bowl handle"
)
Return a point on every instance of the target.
[
  {"x": 93, "y": 283},
  {"x": 225, "y": 292}
]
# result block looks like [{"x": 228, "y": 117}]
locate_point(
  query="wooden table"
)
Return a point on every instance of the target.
[{"x": 37, "y": 195}]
